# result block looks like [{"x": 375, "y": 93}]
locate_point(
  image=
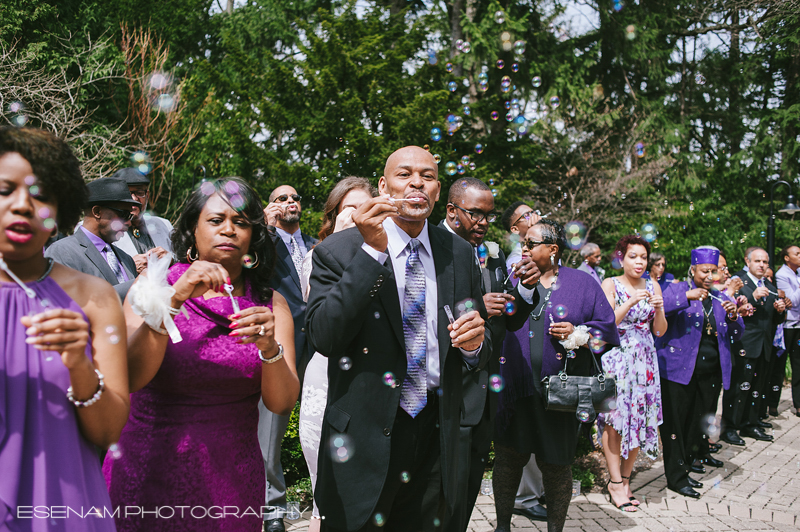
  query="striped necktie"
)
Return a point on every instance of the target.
[
  {"x": 414, "y": 392},
  {"x": 297, "y": 257}
]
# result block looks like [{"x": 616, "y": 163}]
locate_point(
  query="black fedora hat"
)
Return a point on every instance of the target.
[
  {"x": 110, "y": 190},
  {"x": 131, "y": 176}
]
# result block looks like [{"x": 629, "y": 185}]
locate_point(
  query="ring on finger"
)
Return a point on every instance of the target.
[{"x": 262, "y": 331}]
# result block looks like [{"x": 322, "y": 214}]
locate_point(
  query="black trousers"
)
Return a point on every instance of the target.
[
  {"x": 741, "y": 404},
  {"x": 776, "y": 372},
  {"x": 412, "y": 499},
  {"x": 709, "y": 386},
  {"x": 474, "y": 445},
  {"x": 682, "y": 406},
  {"x": 791, "y": 338}
]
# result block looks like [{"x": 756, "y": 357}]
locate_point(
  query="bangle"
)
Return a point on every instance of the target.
[
  {"x": 101, "y": 385},
  {"x": 272, "y": 359}
]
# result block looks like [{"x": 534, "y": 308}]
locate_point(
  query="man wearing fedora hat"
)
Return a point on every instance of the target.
[
  {"x": 106, "y": 218},
  {"x": 147, "y": 232}
]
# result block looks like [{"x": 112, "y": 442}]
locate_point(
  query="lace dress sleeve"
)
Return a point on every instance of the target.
[{"x": 305, "y": 275}]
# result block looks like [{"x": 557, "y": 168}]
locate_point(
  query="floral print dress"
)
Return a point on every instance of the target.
[{"x": 635, "y": 365}]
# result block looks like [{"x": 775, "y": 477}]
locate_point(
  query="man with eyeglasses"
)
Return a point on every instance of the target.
[
  {"x": 516, "y": 220},
  {"x": 147, "y": 232},
  {"x": 470, "y": 210},
  {"x": 291, "y": 245},
  {"x": 89, "y": 250}
]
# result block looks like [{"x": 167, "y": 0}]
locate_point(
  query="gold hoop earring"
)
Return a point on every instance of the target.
[{"x": 189, "y": 255}]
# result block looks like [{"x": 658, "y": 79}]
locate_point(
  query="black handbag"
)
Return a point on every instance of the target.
[{"x": 586, "y": 396}]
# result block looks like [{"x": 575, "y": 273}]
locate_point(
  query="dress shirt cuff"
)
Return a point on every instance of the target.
[
  {"x": 526, "y": 293},
  {"x": 374, "y": 253},
  {"x": 472, "y": 358}
]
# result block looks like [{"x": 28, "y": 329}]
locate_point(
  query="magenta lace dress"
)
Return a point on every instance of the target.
[
  {"x": 191, "y": 440},
  {"x": 635, "y": 365}
]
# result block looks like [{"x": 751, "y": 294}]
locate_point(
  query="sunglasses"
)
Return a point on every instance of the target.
[
  {"x": 530, "y": 244},
  {"x": 477, "y": 216},
  {"x": 284, "y": 197},
  {"x": 124, "y": 215}
]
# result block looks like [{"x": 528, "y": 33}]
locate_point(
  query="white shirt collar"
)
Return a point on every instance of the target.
[
  {"x": 753, "y": 277},
  {"x": 399, "y": 239}
]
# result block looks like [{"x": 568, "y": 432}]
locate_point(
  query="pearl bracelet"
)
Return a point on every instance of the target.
[
  {"x": 101, "y": 385},
  {"x": 274, "y": 359}
]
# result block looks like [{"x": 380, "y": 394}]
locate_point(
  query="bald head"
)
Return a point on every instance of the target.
[{"x": 415, "y": 153}]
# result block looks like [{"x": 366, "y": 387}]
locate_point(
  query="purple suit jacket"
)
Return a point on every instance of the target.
[{"x": 677, "y": 349}]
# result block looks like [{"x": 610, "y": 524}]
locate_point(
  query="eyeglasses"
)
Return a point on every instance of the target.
[
  {"x": 139, "y": 192},
  {"x": 526, "y": 215},
  {"x": 477, "y": 216},
  {"x": 284, "y": 197},
  {"x": 124, "y": 215},
  {"x": 530, "y": 244}
]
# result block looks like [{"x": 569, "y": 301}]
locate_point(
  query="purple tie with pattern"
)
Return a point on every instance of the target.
[{"x": 414, "y": 392}]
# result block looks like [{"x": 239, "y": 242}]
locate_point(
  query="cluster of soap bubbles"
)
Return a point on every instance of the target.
[
  {"x": 640, "y": 150},
  {"x": 496, "y": 383},
  {"x": 463, "y": 46},
  {"x": 499, "y": 17},
  {"x": 114, "y": 451},
  {"x": 141, "y": 161},
  {"x": 649, "y": 232},
  {"x": 453, "y": 123},
  {"x": 389, "y": 379},
  {"x": 464, "y": 307},
  {"x": 345, "y": 363},
  {"x": 711, "y": 426},
  {"x": 18, "y": 115},
  {"x": 341, "y": 447},
  {"x": 630, "y": 32},
  {"x": 160, "y": 92},
  {"x": 576, "y": 234},
  {"x": 237, "y": 200}
]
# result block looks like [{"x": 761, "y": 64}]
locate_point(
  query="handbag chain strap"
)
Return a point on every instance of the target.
[{"x": 600, "y": 375}]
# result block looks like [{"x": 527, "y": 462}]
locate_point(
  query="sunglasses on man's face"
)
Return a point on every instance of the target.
[
  {"x": 126, "y": 216},
  {"x": 284, "y": 197}
]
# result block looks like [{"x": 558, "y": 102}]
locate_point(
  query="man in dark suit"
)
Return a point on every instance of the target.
[
  {"x": 89, "y": 250},
  {"x": 378, "y": 309},
  {"x": 741, "y": 404},
  {"x": 291, "y": 245},
  {"x": 470, "y": 210}
]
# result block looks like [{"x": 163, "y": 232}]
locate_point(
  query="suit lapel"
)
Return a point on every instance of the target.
[
  {"x": 391, "y": 304},
  {"x": 286, "y": 258},
  {"x": 445, "y": 286},
  {"x": 95, "y": 257}
]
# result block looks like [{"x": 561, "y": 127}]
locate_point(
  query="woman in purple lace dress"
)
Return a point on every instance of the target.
[
  {"x": 63, "y": 377},
  {"x": 639, "y": 310},
  {"x": 189, "y": 455}
]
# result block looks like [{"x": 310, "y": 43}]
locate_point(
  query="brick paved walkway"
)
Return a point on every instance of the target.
[{"x": 758, "y": 488}]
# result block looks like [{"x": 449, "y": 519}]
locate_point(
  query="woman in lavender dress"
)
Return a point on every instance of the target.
[
  {"x": 192, "y": 440},
  {"x": 63, "y": 378},
  {"x": 639, "y": 310}
]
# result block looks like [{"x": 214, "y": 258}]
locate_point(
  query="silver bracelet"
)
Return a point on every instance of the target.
[
  {"x": 93, "y": 399},
  {"x": 274, "y": 359}
]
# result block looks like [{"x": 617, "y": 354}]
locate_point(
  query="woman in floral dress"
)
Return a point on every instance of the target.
[{"x": 639, "y": 310}]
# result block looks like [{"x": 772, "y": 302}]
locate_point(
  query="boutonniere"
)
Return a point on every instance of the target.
[{"x": 492, "y": 249}]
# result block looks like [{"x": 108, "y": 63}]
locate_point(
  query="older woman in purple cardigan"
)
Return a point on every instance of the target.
[
  {"x": 694, "y": 358},
  {"x": 565, "y": 304}
]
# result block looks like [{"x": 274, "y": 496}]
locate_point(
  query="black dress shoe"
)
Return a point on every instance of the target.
[
  {"x": 696, "y": 468},
  {"x": 534, "y": 513},
  {"x": 686, "y": 491},
  {"x": 773, "y": 412},
  {"x": 715, "y": 446},
  {"x": 756, "y": 433},
  {"x": 732, "y": 438},
  {"x": 694, "y": 483},
  {"x": 274, "y": 525},
  {"x": 764, "y": 425},
  {"x": 713, "y": 450},
  {"x": 713, "y": 462}
]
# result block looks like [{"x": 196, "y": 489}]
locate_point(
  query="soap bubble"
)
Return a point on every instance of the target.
[
  {"x": 472, "y": 166},
  {"x": 479, "y": 148},
  {"x": 341, "y": 448},
  {"x": 450, "y": 168},
  {"x": 17, "y": 111},
  {"x": 496, "y": 383},
  {"x": 467, "y": 47},
  {"x": 511, "y": 308},
  {"x": 432, "y": 57},
  {"x": 561, "y": 311},
  {"x": 461, "y": 169},
  {"x": 755, "y": 394},
  {"x": 576, "y": 234},
  {"x": 389, "y": 379},
  {"x": 640, "y": 150},
  {"x": 514, "y": 67},
  {"x": 165, "y": 102},
  {"x": 500, "y": 64},
  {"x": 536, "y": 81},
  {"x": 141, "y": 161},
  {"x": 530, "y": 334},
  {"x": 464, "y": 307},
  {"x": 502, "y": 360},
  {"x": 744, "y": 386},
  {"x": 495, "y": 115},
  {"x": 467, "y": 111},
  {"x": 160, "y": 81},
  {"x": 710, "y": 426},
  {"x": 436, "y": 134},
  {"x": 742, "y": 353},
  {"x": 630, "y": 32},
  {"x": 437, "y": 158},
  {"x": 448, "y": 67},
  {"x": 583, "y": 416},
  {"x": 114, "y": 451},
  {"x": 452, "y": 86},
  {"x": 649, "y": 232},
  {"x": 405, "y": 478},
  {"x": 248, "y": 261},
  {"x": 519, "y": 47},
  {"x": 345, "y": 363},
  {"x": 555, "y": 101},
  {"x": 207, "y": 188},
  {"x": 499, "y": 17},
  {"x": 700, "y": 79}
]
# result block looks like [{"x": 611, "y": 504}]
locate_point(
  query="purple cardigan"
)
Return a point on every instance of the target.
[
  {"x": 586, "y": 304},
  {"x": 677, "y": 349}
]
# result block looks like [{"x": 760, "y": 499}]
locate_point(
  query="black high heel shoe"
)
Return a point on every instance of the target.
[
  {"x": 625, "y": 506},
  {"x": 634, "y": 501}
]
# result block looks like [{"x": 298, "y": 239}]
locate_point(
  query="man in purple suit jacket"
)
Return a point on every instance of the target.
[
  {"x": 591, "y": 261},
  {"x": 694, "y": 356}
]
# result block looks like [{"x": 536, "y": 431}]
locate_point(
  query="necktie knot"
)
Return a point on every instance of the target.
[{"x": 413, "y": 245}]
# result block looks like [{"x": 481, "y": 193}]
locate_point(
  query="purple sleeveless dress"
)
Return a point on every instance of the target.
[
  {"x": 190, "y": 458},
  {"x": 49, "y": 473}
]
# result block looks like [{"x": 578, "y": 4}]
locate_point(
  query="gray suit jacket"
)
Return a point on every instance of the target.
[{"x": 78, "y": 252}]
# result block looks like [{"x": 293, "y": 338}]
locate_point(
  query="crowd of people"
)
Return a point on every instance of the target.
[{"x": 148, "y": 371}]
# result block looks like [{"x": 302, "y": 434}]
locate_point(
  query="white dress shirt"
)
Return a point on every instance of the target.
[{"x": 398, "y": 251}]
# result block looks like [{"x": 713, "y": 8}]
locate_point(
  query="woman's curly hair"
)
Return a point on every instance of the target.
[{"x": 242, "y": 198}]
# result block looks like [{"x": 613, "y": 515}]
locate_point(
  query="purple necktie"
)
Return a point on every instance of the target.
[{"x": 414, "y": 392}]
